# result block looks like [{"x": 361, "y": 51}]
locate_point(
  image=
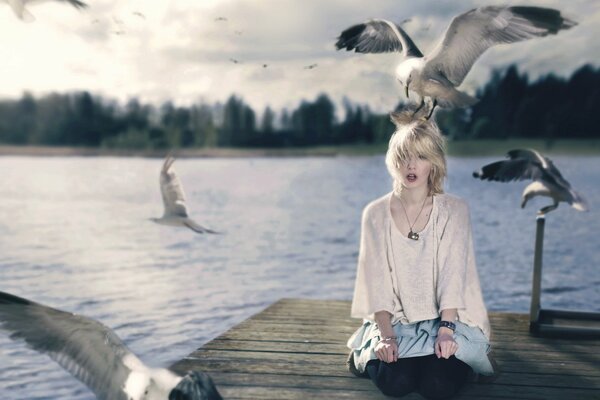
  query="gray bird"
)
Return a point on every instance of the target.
[
  {"x": 547, "y": 179},
  {"x": 436, "y": 75},
  {"x": 175, "y": 211},
  {"x": 96, "y": 356},
  {"x": 18, "y": 6}
]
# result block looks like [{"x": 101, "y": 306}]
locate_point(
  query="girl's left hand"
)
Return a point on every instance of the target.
[{"x": 445, "y": 346}]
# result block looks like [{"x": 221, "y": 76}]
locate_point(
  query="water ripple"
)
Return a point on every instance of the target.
[{"x": 292, "y": 230}]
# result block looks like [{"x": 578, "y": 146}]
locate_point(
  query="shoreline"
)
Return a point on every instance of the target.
[{"x": 465, "y": 148}]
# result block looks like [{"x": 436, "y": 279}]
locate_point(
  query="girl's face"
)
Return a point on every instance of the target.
[{"x": 414, "y": 172}]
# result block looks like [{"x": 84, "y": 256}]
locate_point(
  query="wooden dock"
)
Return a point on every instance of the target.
[{"x": 296, "y": 349}]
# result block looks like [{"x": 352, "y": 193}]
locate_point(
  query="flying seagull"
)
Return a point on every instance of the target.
[
  {"x": 436, "y": 75},
  {"x": 311, "y": 66},
  {"x": 175, "y": 213},
  {"x": 547, "y": 179},
  {"x": 18, "y": 6},
  {"x": 95, "y": 355}
]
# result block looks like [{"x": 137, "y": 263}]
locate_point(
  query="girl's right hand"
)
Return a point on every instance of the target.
[{"x": 387, "y": 350}]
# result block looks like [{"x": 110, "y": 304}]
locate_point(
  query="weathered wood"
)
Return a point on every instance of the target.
[{"x": 295, "y": 349}]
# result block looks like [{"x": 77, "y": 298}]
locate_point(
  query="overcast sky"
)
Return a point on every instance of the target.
[{"x": 181, "y": 50}]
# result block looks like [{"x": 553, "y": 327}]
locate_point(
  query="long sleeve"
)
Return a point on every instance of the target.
[
  {"x": 455, "y": 249},
  {"x": 373, "y": 288}
]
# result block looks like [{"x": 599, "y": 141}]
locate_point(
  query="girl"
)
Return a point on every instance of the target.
[{"x": 417, "y": 288}]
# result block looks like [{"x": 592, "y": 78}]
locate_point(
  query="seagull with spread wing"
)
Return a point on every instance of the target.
[
  {"x": 175, "y": 213},
  {"x": 435, "y": 76},
  {"x": 95, "y": 355},
  {"x": 547, "y": 179},
  {"x": 18, "y": 6}
]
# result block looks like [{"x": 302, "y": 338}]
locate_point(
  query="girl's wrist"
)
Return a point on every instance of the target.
[{"x": 445, "y": 331}]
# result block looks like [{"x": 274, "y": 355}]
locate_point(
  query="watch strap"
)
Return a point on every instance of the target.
[{"x": 448, "y": 324}]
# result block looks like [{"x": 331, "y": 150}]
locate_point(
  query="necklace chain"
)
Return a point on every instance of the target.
[{"x": 413, "y": 235}]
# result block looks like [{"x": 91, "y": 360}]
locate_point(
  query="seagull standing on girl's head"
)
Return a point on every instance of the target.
[
  {"x": 96, "y": 356},
  {"x": 175, "y": 210},
  {"x": 437, "y": 74},
  {"x": 18, "y": 6},
  {"x": 547, "y": 179}
]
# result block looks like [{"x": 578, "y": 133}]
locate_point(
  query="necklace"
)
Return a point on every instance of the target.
[{"x": 413, "y": 235}]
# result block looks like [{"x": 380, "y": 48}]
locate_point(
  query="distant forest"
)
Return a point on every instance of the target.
[{"x": 510, "y": 106}]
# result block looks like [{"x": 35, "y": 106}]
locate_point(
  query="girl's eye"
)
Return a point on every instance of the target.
[{"x": 422, "y": 157}]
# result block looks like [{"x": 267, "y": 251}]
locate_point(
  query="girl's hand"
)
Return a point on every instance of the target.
[
  {"x": 445, "y": 346},
  {"x": 387, "y": 350}
]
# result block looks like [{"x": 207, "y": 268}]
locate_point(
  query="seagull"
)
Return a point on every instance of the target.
[
  {"x": 233, "y": 60},
  {"x": 436, "y": 75},
  {"x": 95, "y": 355},
  {"x": 18, "y": 6},
  {"x": 311, "y": 66},
  {"x": 139, "y": 14},
  {"x": 547, "y": 179},
  {"x": 220, "y": 19},
  {"x": 175, "y": 213}
]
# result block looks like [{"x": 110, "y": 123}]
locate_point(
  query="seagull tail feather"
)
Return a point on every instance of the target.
[
  {"x": 456, "y": 99},
  {"x": 197, "y": 227}
]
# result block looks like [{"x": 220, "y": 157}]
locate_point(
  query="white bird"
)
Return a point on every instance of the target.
[
  {"x": 96, "y": 356},
  {"x": 547, "y": 179},
  {"x": 18, "y": 6},
  {"x": 175, "y": 212},
  {"x": 436, "y": 75}
]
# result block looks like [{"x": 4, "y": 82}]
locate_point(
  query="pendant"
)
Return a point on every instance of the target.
[{"x": 413, "y": 235}]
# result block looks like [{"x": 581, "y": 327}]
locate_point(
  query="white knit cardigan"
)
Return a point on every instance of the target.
[{"x": 456, "y": 282}]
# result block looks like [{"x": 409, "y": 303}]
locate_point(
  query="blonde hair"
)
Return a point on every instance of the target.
[{"x": 415, "y": 137}]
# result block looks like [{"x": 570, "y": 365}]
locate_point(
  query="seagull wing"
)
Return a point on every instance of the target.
[
  {"x": 77, "y": 4},
  {"x": 551, "y": 172},
  {"x": 472, "y": 33},
  {"x": 18, "y": 7},
  {"x": 509, "y": 170},
  {"x": 172, "y": 190},
  {"x": 90, "y": 351},
  {"x": 377, "y": 36}
]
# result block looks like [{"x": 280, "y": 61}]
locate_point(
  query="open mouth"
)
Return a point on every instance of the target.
[{"x": 411, "y": 177}]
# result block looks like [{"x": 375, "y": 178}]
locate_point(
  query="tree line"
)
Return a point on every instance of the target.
[{"x": 510, "y": 106}]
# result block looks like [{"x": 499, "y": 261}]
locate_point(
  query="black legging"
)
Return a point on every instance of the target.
[{"x": 434, "y": 378}]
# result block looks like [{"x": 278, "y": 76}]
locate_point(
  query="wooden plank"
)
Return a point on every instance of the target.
[
  {"x": 340, "y": 348},
  {"x": 295, "y": 349}
]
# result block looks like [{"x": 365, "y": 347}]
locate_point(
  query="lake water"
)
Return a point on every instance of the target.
[{"x": 75, "y": 234}]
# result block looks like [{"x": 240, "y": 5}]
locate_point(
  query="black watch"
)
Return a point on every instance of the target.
[{"x": 448, "y": 324}]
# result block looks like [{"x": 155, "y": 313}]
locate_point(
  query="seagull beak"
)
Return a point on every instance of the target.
[{"x": 406, "y": 91}]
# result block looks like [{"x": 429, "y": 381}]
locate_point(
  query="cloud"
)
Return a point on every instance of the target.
[{"x": 178, "y": 51}]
